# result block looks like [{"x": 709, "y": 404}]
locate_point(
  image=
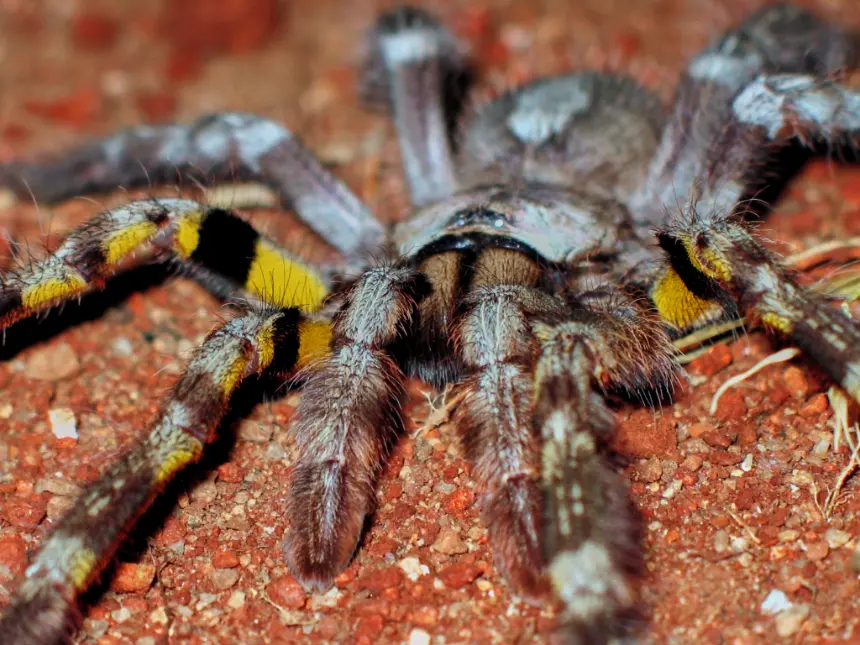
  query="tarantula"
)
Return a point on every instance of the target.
[{"x": 529, "y": 275}]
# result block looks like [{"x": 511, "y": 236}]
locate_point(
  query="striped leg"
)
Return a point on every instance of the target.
[
  {"x": 413, "y": 60},
  {"x": 728, "y": 256},
  {"x": 723, "y": 118},
  {"x": 225, "y": 250},
  {"x": 347, "y": 417},
  {"x": 86, "y": 538},
  {"x": 217, "y": 146},
  {"x": 589, "y": 530}
]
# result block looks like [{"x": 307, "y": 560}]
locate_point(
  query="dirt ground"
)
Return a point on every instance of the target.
[{"x": 738, "y": 549}]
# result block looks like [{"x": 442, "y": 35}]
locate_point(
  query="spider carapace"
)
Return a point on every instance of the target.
[{"x": 529, "y": 275}]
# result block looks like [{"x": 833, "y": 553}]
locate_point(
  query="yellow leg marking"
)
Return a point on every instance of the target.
[
  {"x": 81, "y": 568},
  {"x": 188, "y": 233},
  {"x": 676, "y": 304},
  {"x": 716, "y": 268},
  {"x": 233, "y": 374},
  {"x": 127, "y": 240},
  {"x": 266, "y": 342},
  {"x": 777, "y": 322},
  {"x": 314, "y": 340},
  {"x": 51, "y": 290},
  {"x": 177, "y": 459},
  {"x": 282, "y": 282}
]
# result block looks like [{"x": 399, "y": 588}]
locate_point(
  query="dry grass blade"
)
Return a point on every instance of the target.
[{"x": 779, "y": 357}]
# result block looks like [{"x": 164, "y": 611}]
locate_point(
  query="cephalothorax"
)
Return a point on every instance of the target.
[{"x": 529, "y": 275}]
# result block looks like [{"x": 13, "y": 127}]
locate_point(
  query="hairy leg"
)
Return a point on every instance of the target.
[
  {"x": 86, "y": 538},
  {"x": 496, "y": 346},
  {"x": 348, "y": 415},
  {"x": 728, "y": 256},
  {"x": 589, "y": 530},
  {"x": 216, "y": 245},
  {"x": 215, "y": 147},
  {"x": 709, "y": 148},
  {"x": 413, "y": 61}
]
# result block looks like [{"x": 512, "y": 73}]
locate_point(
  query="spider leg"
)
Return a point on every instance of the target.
[
  {"x": 798, "y": 105},
  {"x": 715, "y": 138},
  {"x": 589, "y": 533},
  {"x": 413, "y": 59},
  {"x": 217, "y": 146},
  {"x": 85, "y": 539},
  {"x": 496, "y": 346},
  {"x": 727, "y": 255},
  {"x": 347, "y": 417},
  {"x": 221, "y": 248}
]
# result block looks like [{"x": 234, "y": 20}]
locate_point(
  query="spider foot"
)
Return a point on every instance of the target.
[
  {"x": 514, "y": 513},
  {"x": 328, "y": 507}
]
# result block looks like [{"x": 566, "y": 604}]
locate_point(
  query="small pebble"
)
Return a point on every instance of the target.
[
  {"x": 225, "y": 560},
  {"x": 53, "y": 362},
  {"x": 788, "y": 622},
  {"x": 449, "y": 542},
  {"x": 287, "y": 592},
  {"x": 795, "y": 381},
  {"x": 122, "y": 346},
  {"x": 413, "y": 568},
  {"x": 821, "y": 448},
  {"x": 801, "y": 478},
  {"x": 158, "y": 616},
  {"x": 775, "y": 602},
  {"x": 120, "y": 615},
  {"x": 224, "y": 579},
  {"x": 817, "y": 551},
  {"x": 445, "y": 488},
  {"x": 275, "y": 452},
  {"x": 740, "y": 544},
  {"x": 419, "y": 637},
  {"x": 63, "y": 423},
  {"x": 649, "y": 471},
  {"x": 96, "y": 628},
  {"x": 692, "y": 463},
  {"x": 459, "y": 574},
  {"x": 672, "y": 489},
  {"x": 133, "y": 578},
  {"x": 721, "y": 541},
  {"x": 236, "y": 600},
  {"x": 836, "y": 538},
  {"x": 204, "y": 493}
]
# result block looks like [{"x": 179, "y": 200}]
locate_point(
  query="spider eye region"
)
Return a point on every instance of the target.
[{"x": 480, "y": 216}]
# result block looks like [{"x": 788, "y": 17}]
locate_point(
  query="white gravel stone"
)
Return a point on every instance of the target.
[
  {"x": 419, "y": 637},
  {"x": 63, "y": 423},
  {"x": 413, "y": 568},
  {"x": 775, "y": 603}
]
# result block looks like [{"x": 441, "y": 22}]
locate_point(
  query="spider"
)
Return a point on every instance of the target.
[{"x": 529, "y": 275}]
